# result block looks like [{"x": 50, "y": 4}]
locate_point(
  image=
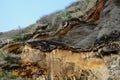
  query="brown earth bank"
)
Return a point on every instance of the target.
[{"x": 80, "y": 43}]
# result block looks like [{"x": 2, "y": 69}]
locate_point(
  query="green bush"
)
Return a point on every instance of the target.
[
  {"x": 65, "y": 15},
  {"x": 5, "y": 75},
  {"x": 8, "y": 59},
  {"x": 17, "y": 37}
]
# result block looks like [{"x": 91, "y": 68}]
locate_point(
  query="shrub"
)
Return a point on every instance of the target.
[
  {"x": 8, "y": 59},
  {"x": 5, "y": 75},
  {"x": 17, "y": 37},
  {"x": 65, "y": 15}
]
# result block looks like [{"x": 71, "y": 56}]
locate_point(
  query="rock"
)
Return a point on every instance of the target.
[
  {"x": 13, "y": 48},
  {"x": 65, "y": 58},
  {"x": 108, "y": 26},
  {"x": 110, "y": 22},
  {"x": 95, "y": 15},
  {"x": 41, "y": 35},
  {"x": 112, "y": 48},
  {"x": 69, "y": 24},
  {"x": 31, "y": 55},
  {"x": 108, "y": 37},
  {"x": 46, "y": 45},
  {"x": 26, "y": 36},
  {"x": 80, "y": 48},
  {"x": 81, "y": 8},
  {"x": 79, "y": 60},
  {"x": 42, "y": 27}
]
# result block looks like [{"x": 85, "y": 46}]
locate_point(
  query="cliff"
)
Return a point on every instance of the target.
[{"x": 80, "y": 43}]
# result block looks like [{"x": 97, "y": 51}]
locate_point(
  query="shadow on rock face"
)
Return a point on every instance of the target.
[
  {"x": 117, "y": 2},
  {"x": 106, "y": 38}
]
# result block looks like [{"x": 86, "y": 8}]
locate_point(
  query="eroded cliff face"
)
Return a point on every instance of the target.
[
  {"x": 68, "y": 63},
  {"x": 85, "y": 48}
]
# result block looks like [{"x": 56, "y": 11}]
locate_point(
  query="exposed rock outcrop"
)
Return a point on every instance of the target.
[
  {"x": 69, "y": 24},
  {"x": 82, "y": 48},
  {"x": 13, "y": 48},
  {"x": 41, "y": 35},
  {"x": 95, "y": 15}
]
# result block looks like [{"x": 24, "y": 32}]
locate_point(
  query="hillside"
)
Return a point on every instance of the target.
[{"x": 81, "y": 42}]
